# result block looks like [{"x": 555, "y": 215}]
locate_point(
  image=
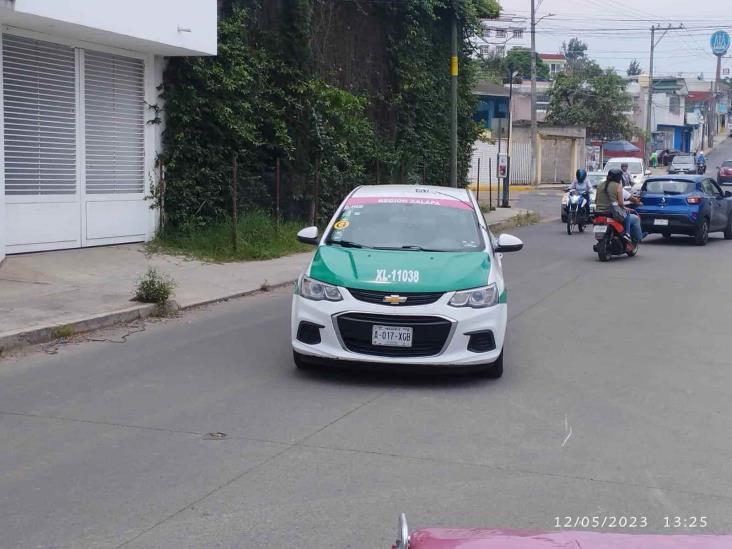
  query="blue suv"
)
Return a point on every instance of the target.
[{"x": 692, "y": 205}]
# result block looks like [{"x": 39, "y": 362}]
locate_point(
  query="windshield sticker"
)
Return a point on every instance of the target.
[
  {"x": 359, "y": 201},
  {"x": 397, "y": 275},
  {"x": 340, "y": 225}
]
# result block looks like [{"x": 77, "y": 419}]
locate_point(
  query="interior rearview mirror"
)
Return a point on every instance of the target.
[
  {"x": 509, "y": 243},
  {"x": 308, "y": 235}
]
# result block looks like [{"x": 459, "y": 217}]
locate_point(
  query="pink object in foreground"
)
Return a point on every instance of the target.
[{"x": 446, "y": 538}]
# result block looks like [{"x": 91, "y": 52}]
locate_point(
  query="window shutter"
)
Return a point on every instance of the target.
[
  {"x": 39, "y": 91},
  {"x": 115, "y": 123}
]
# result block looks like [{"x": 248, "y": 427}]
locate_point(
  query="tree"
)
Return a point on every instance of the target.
[
  {"x": 592, "y": 98},
  {"x": 519, "y": 59},
  {"x": 576, "y": 54},
  {"x": 634, "y": 69}
]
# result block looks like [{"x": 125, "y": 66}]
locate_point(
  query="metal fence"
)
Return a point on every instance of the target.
[{"x": 485, "y": 154}]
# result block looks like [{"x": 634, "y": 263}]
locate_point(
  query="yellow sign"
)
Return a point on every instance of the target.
[
  {"x": 340, "y": 225},
  {"x": 454, "y": 65}
]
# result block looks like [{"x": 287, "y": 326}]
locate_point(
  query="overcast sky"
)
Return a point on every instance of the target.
[{"x": 619, "y": 30}]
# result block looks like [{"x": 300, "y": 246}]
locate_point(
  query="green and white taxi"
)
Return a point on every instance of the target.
[{"x": 404, "y": 275}]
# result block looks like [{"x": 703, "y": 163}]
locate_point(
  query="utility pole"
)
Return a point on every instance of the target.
[
  {"x": 649, "y": 105},
  {"x": 534, "y": 131},
  {"x": 715, "y": 95},
  {"x": 453, "y": 100}
]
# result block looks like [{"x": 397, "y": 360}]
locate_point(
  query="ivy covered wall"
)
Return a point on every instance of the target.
[{"x": 355, "y": 91}]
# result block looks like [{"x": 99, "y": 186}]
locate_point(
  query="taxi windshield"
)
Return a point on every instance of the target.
[{"x": 405, "y": 224}]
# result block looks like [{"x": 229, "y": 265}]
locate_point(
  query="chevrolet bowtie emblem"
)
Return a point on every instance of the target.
[{"x": 394, "y": 299}]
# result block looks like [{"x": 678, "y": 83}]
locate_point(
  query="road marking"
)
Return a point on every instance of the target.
[{"x": 567, "y": 429}]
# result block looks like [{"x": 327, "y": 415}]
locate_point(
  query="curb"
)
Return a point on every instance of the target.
[
  {"x": 525, "y": 217},
  {"x": 16, "y": 339}
]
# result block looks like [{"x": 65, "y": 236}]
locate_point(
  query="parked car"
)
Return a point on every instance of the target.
[
  {"x": 636, "y": 169},
  {"x": 682, "y": 165},
  {"x": 492, "y": 538},
  {"x": 670, "y": 155},
  {"x": 724, "y": 173},
  {"x": 689, "y": 205},
  {"x": 595, "y": 178}
]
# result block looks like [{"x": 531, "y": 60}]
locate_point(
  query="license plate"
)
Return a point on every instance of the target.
[
  {"x": 661, "y": 222},
  {"x": 392, "y": 336},
  {"x": 599, "y": 229}
]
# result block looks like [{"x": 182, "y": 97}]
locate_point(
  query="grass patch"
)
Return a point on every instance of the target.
[
  {"x": 259, "y": 237},
  {"x": 62, "y": 332}
]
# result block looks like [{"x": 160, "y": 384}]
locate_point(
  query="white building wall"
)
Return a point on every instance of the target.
[
  {"x": 164, "y": 27},
  {"x": 491, "y": 43},
  {"x": 146, "y": 29}
]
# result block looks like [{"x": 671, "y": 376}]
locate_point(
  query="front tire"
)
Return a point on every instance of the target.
[
  {"x": 701, "y": 237},
  {"x": 728, "y": 229},
  {"x": 603, "y": 247},
  {"x": 494, "y": 370}
]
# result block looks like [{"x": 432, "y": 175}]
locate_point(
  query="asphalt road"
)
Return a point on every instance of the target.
[{"x": 615, "y": 402}]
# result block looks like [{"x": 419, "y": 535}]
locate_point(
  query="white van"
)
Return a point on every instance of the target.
[{"x": 636, "y": 169}]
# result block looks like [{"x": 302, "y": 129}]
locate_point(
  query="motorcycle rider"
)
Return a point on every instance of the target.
[
  {"x": 583, "y": 187},
  {"x": 611, "y": 192},
  {"x": 701, "y": 162},
  {"x": 627, "y": 180}
]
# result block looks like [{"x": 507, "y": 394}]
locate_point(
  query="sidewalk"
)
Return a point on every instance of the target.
[{"x": 87, "y": 289}]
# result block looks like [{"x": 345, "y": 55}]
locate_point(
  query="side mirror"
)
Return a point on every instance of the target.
[
  {"x": 508, "y": 243},
  {"x": 727, "y": 194},
  {"x": 308, "y": 235},
  {"x": 649, "y": 172}
]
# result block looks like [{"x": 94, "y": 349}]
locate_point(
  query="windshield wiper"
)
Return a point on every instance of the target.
[
  {"x": 413, "y": 248},
  {"x": 348, "y": 244}
]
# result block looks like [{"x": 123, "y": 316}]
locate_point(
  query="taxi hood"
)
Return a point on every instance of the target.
[{"x": 400, "y": 270}]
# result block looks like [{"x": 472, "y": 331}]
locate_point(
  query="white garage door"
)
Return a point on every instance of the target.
[
  {"x": 74, "y": 146},
  {"x": 114, "y": 108},
  {"x": 41, "y": 179}
]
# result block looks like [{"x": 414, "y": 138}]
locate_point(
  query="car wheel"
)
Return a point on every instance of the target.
[
  {"x": 728, "y": 229},
  {"x": 300, "y": 362},
  {"x": 701, "y": 237},
  {"x": 494, "y": 370}
]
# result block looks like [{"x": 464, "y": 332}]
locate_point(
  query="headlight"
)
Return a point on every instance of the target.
[
  {"x": 477, "y": 298},
  {"x": 565, "y": 199},
  {"x": 318, "y": 291}
]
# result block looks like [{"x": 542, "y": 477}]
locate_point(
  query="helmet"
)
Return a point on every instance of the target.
[
  {"x": 615, "y": 175},
  {"x": 581, "y": 175}
]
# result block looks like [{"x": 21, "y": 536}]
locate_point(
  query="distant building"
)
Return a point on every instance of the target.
[
  {"x": 555, "y": 61},
  {"x": 502, "y": 34}
]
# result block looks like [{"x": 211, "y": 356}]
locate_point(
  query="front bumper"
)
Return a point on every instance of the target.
[{"x": 454, "y": 353}]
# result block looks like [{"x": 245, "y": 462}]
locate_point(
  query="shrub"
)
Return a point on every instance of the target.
[{"x": 154, "y": 287}]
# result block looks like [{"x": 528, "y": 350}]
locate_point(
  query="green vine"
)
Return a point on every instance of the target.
[{"x": 358, "y": 91}]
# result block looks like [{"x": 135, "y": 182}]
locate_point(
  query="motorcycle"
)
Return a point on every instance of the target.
[
  {"x": 609, "y": 234},
  {"x": 577, "y": 206},
  {"x": 701, "y": 168}
]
